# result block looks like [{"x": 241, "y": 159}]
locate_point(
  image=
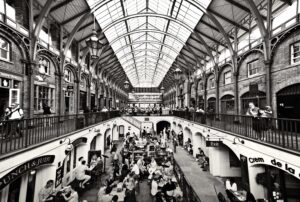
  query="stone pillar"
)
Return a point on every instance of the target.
[
  {"x": 217, "y": 80},
  {"x": 176, "y": 96},
  {"x": 256, "y": 189},
  {"x": 236, "y": 92},
  {"x": 29, "y": 92},
  {"x": 77, "y": 96},
  {"x": 268, "y": 83},
  {"x": 60, "y": 94}
]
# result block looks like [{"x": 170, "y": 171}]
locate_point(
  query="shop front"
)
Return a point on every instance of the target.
[
  {"x": 10, "y": 86},
  {"x": 93, "y": 96},
  {"x": 69, "y": 88},
  {"x": 83, "y": 94},
  {"x": 20, "y": 183},
  {"x": 279, "y": 179}
]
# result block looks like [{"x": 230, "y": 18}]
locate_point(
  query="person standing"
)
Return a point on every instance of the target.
[
  {"x": 16, "y": 115},
  {"x": 80, "y": 173},
  {"x": 154, "y": 189}
]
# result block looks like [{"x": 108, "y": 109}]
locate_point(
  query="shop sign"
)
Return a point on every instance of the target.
[
  {"x": 10, "y": 76},
  {"x": 70, "y": 88},
  {"x": 22, "y": 169},
  {"x": 291, "y": 169},
  {"x": 59, "y": 175},
  {"x": 213, "y": 143}
]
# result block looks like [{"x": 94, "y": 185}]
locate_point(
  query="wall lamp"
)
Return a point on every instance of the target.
[
  {"x": 239, "y": 140},
  {"x": 69, "y": 145}
]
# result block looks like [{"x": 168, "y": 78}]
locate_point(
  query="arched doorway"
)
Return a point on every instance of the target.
[
  {"x": 187, "y": 134},
  {"x": 200, "y": 142},
  {"x": 121, "y": 131},
  {"x": 107, "y": 139},
  {"x": 279, "y": 184},
  {"x": 115, "y": 133},
  {"x": 161, "y": 125},
  {"x": 287, "y": 102},
  {"x": 227, "y": 104},
  {"x": 211, "y": 105}
]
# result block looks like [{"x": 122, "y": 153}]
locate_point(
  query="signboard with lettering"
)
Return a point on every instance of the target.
[
  {"x": 289, "y": 168},
  {"x": 24, "y": 168},
  {"x": 59, "y": 175},
  {"x": 213, "y": 143}
]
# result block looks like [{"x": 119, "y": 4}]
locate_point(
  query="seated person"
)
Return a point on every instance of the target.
[
  {"x": 169, "y": 189},
  {"x": 110, "y": 181},
  {"x": 152, "y": 167},
  {"x": 47, "y": 193},
  {"x": 80, "y": 174},
  {"x": 70, "y": 194}
]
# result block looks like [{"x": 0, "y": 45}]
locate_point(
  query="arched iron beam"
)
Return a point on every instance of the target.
[
  {"x": 147, "y": 41},
  {"x": 147, "y": 30},
  {"x": 146, "y": 50},
  {"x": 261, "y": 27},
  {"x": 143, "y": 61},
  {"x": 147, "y": 57},
  {"x": 39, "y": 24},
  {"x": 216, "y": 22},
  {"x": 143, "y": 65},
  {"x": 183, "y": 24},
  {"x": 72, "y": 35}
]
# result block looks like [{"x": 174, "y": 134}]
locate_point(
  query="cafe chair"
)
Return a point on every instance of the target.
[
  {"x": 231, "y": 196},
  {"x": 221, "y": 197}
]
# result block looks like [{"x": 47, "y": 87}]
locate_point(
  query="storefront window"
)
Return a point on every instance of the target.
[
  {"x": 4, "y": 49},
  {"x": 253, "y": 67},
  {"x": 227, "y": 77},
  {"x": 227, "y": 104},
  {"x": 295, "y": 53},
  {"x": 43, "y": 95},
  {"x": 67, "y": 75}
]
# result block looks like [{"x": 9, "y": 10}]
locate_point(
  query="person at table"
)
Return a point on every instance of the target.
[
  {"x": 141, "y": 165},
  {"x": 135, "y": 169},
  {"x": 154, "y": 189},
  {"x": 152, "y": 167},
  {"x": 115, "y": 198},
  {"x": 47, "y": 192},
  {"x": 130, "y": 188},
  {"x": 106, "y": 197},
  {"x": 124, "y": 172},
  {"x": 168, "y": 190},
  {"x": 231, "y": 185},
  {"x": 70, "y": 195},
  {"x": 80, "y": 174},
  {"x": 110, "y": 181}
]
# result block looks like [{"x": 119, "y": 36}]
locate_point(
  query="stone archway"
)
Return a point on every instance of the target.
[
  {"x": 161, "y": 125},
  {"x": 107, "y": 139}
]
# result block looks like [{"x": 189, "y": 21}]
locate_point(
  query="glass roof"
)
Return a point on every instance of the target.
[{"x": 147, "y": 35}]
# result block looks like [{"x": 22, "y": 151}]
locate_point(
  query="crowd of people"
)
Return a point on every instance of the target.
[{"x": 143, "y": 157}]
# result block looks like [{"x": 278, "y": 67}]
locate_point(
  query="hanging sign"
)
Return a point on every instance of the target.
[
  {"x": 213, "y": 142},
  {"x": 59, "y": 175},
  {"x": 24, "y": 168}
]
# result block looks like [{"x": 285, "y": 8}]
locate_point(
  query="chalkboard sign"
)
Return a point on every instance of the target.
[{"x": 59, "y": 175}]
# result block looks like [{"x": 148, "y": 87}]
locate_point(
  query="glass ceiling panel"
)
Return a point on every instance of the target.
[{"x": 147, "y": 53}]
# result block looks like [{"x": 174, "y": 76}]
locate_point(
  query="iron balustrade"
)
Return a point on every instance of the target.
[
  {"x": 20, "y": 134},
  {"x": 277, "y": 131},
  {"x": 187, "y": 189}
]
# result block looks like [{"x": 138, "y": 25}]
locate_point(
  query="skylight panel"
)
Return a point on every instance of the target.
[{"x": 147, "y": 65}]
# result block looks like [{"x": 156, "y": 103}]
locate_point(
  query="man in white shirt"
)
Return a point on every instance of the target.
[
  {"x": 16, "y": 114},
  {"x": 80, "y": 173},
  {"x": 135, "y": 169},
  {"x": 154, "y": 189}
]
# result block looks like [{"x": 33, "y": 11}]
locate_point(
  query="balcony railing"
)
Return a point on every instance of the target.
[
  {"x": 280, "y": 132},
  {"x": 19, "y": 134}
]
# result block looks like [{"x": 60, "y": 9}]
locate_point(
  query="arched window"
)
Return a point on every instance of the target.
[
  {"x": 68, "y": 75},
  {"x": 4, "y": 49}
]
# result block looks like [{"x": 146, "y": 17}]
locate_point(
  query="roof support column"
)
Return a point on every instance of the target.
[{"x": 266, "y": 35}]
